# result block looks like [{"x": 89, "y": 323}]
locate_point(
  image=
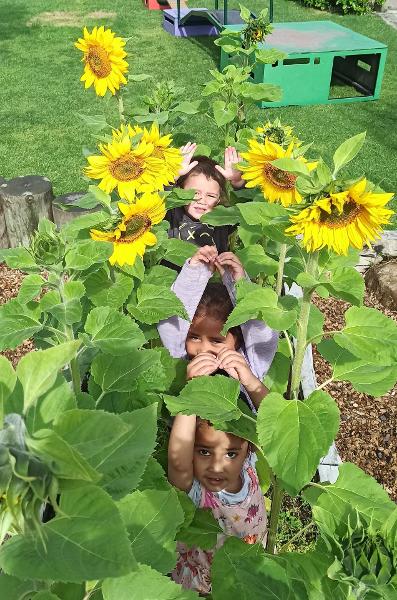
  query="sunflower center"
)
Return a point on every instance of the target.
[
  {"x": 136, "y": 226},
  {"x": 334, "y": 220},
  {"x": 279, "y": 178},
  {"x": 99, "y": 62},
  {"x": 126, "y": 168}
]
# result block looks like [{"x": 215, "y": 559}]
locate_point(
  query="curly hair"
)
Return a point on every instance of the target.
[{"x": 216, "y": 302}]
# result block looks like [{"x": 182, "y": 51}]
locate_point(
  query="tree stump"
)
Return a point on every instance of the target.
[
  {"x": 4, "y": 241},
  {"x": 24, "y": 201}
]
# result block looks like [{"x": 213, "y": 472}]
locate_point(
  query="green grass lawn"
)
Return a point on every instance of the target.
[{"x": 40, "y": 89}]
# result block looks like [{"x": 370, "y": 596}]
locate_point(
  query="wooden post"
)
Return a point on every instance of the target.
[
  {"x": 24, "y": 201},
  {"x": 4, "y": 241}
]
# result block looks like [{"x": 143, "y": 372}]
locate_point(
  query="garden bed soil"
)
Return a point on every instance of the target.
[{"x": 367, "y": 435}]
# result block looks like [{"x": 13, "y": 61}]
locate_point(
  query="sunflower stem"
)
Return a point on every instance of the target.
[
  {"x": 277, "y": 498},
  {"x": 301, "y": 327},
  {"x": 280, "y": 270},
  {"x": 120, "y": 103}
]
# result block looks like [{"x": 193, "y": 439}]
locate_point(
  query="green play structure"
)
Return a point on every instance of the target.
[{"x": 321, "y": 55}]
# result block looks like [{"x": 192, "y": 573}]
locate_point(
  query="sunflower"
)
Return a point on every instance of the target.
[
  {"x": 276, "y": 185},
  {"x": 349, "y": 218},
  {"x": 131, "y": 236},
  {"x": 130, "y": 169},
  {"x": 171, "y": 158},
  {"x": 104, "y": 60},
  {"x": 277, "y": 132}
]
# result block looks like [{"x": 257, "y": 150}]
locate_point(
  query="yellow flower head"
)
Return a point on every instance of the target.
[
  {"x": 349, "y": 218},
  {"x": 130, "y": 169},
  {"x": 132, "y": 234},
  {"x": 105, "y": 66},
  {"x": 276, "y": 185},
  {"x": 171, "y": 158}
]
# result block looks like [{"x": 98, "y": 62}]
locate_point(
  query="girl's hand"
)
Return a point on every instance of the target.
[
  {"x": 204, "y": 363},
  {"x": 237, "y": 367},
  {"x": 206, "y": 255},
  {"x": 228, "y": 260},
  {"x": 187, "y": 152},
  {"x": 229, "y": 171}
]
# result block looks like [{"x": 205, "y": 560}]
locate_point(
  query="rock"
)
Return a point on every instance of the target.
[
  {"x": 387, "y": 245},
  {"x": 382, "y": 281}
]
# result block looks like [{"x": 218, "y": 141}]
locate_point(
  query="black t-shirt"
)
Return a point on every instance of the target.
[{"x": 183, "y": 227}]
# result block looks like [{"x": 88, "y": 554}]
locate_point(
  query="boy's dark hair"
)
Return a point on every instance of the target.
[
  {"x": 215, "y": 302},
  {"x": 205, "y": 166}
]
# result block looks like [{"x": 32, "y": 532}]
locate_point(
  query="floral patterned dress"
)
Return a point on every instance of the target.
[{"x": 241, "y": 515}]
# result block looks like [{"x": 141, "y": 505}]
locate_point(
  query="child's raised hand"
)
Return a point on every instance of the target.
[
  {"x": 187, "y": 152},
  {"x": 229, "y": 171},
  {"x": 204, "y": 363},
  {"x": 206, "y": 255},
  {"x": 237, "y": 367},
  {"x": 228, "y": 260}
]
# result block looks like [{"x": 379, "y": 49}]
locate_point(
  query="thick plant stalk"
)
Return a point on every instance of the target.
[
  {"x": 280, "y": 271},
  {"x": 301, "y": 326},
  {"x": 120, "y": 106},
  {"x": 277, "y": 498}
]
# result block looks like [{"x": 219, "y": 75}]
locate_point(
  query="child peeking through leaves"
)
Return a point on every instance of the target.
[
  {"x": 245, "y": 353},
  {"x": 208, "y": 180},
  {"x": 217, "y": 470}
]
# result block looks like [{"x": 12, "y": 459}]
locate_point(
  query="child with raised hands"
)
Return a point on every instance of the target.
[
  {"x": 217, "y": 470},
  {"x": 208, "y": 180},
  {"x": 244, "y": 353}
]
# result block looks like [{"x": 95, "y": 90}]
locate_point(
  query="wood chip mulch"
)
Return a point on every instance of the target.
[{"x": 368, "y": 431}]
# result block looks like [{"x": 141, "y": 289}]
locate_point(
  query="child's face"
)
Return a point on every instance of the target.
[
  {"x": 204, "y": 335},
  {"x": 208, "y": 193},
  {"x": 218, "y": 459}
]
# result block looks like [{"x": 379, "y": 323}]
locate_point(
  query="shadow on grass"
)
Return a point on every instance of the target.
[
  {"x": 206, "y": 44},
  {"x": 13, "y": 20}
]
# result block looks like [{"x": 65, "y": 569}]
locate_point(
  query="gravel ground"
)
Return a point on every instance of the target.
[{"x": 368, "y": 429}]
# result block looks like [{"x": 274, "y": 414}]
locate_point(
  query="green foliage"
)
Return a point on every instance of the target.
[{"x": 358, "y": 7}]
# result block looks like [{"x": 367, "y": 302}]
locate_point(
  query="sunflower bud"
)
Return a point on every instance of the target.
[{"x": 47, "y": 248}]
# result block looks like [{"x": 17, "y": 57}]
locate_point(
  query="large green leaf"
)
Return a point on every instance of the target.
[
  {"x": 8, "y": 380},
  {"x": 18, "y": 258},
  {"x": 86, "y": 253},
  {"x": 347, "y": 284},
  {"x": 17, "y": 324},
  {"x": 55, "y": 401},
  {"x": 117, "y": 446},
  {"x": 291, "y": 165},
  {"x": 255, "y": 302},
  {"x": 155, "y": 303},
  {"x": 70, "y": 591},
  {"x": 144, "y": 583},
  {"x": 65, "y": 461},
  {"x": 209, "y": 397},
  {"x": 30, "y": 287},
  {"x": 79, "y": 226},
  {"x": 112, "y": 331},
  {"x": 260, "y": 212},
  {"x": 45, "y": 595},
  {"x": 222, "y": 215},
  {"x": 276, "y": 379},
  {"x": 152, "y": 518},
  {"x": 86, "y": 541},
  {"x": 123, "y": 373},
  {"x": 37, "y": 371},
  {"x": 265, "y": 92},
  {"x": 67, "y": 310},
  {"x": 103, "y": 290},
  {"x": 202, "y": 531},
  {"x": 294, "y": 435},
  {"x": 256, "y": 261},
  {"x": 160, "y": 275},
  {"x": 223, "y": 113},
  {"x": 12, "y": 588},
  {"x": 347, "y": 151},
  {"x": 369, "y": 333},
  {"x": 178, "y": 251},
  {"x": 353, "y": 489},
  {"x": 243, "y": 569},
  {"x": 371, "y": 378},
  {"x": 154, "y": 477}
]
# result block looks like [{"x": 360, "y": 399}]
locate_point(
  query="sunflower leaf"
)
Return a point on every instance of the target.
[
  {"x": 296, "y": 167},
  {"x": 347, "y": 151},
  {"x": 155, "y": 303}
]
